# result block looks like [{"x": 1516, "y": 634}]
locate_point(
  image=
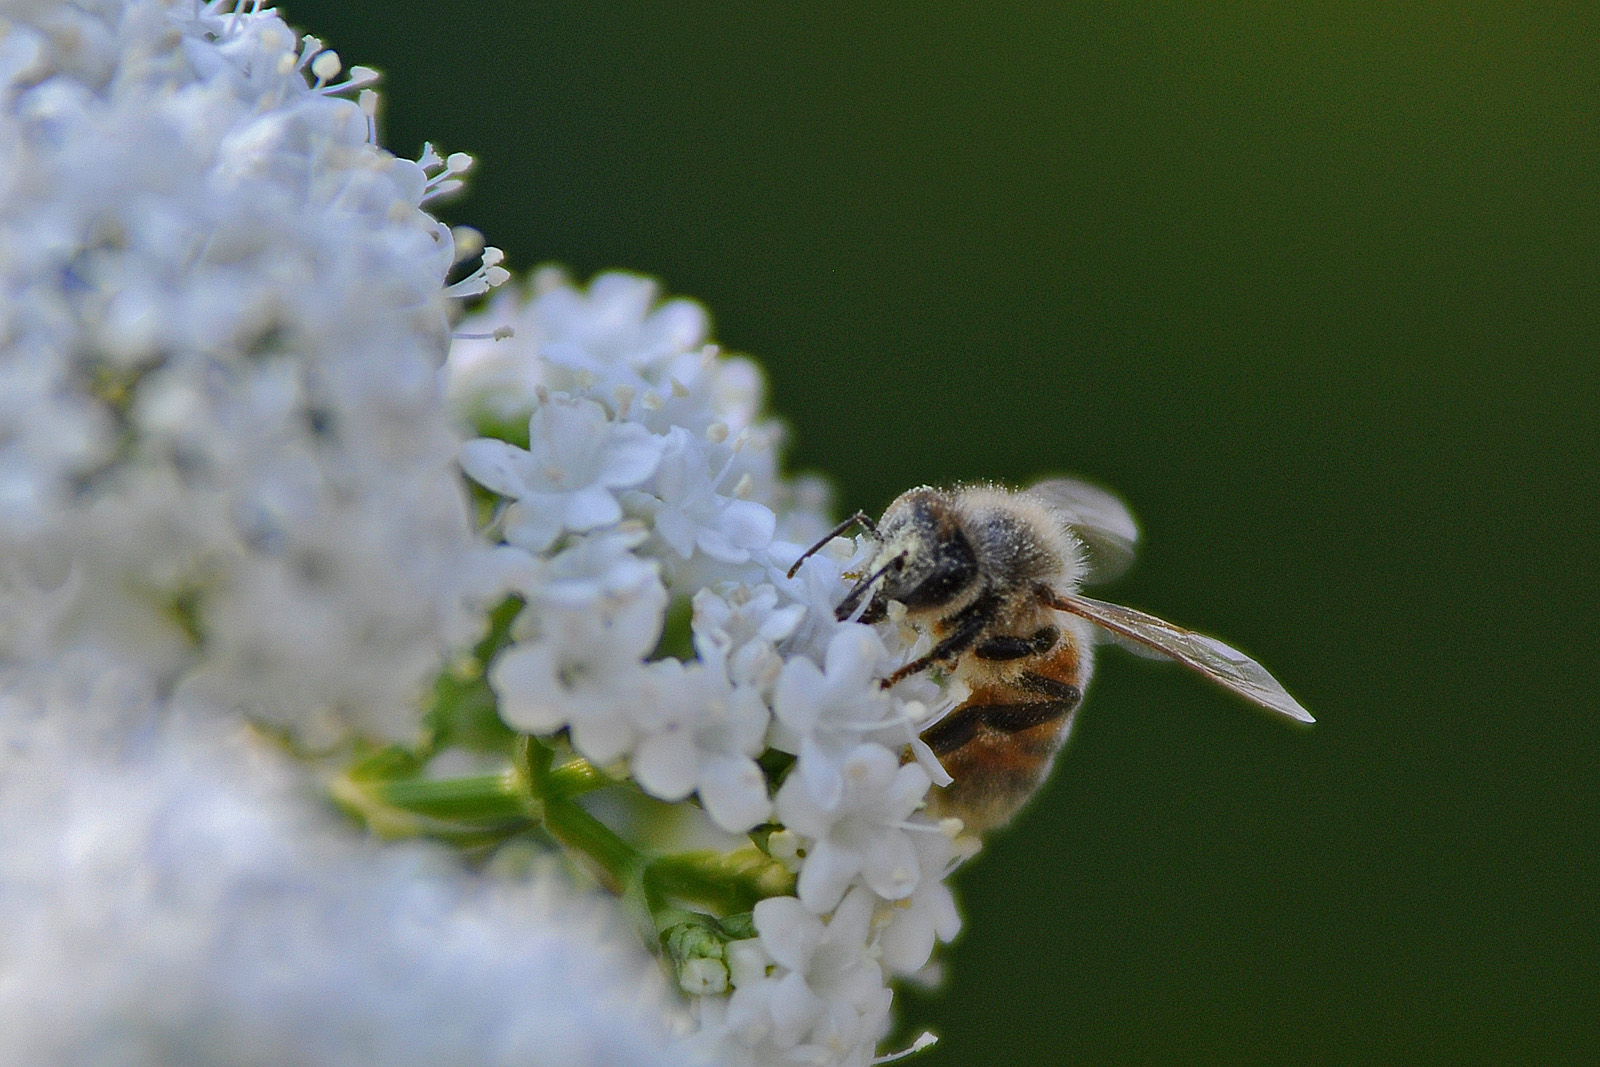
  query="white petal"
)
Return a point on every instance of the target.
[
  {"x": 631, "y": 455},
  {"x": 826, "y": 875},
  {"x": 711, "y": 541},
  {"x": 534, "y": 522},
  {"x": 746, "y": 524},
  {"x": 747, "y": 720},
  {"x": 929, "y": 763},
  {"x": 853, "y": 656},
  {"x": 789, "y": 933},
  {"x": 590, "y": 507},
  {"x": 909, "y": 787},
  {"x": 635, "y": 629},
  {"x": 851, "y": 921},
  {"x": 735, "y": 793},
  {"x": 821, "y": 771},
  {"x": 524, "y": 678},
  {"x": 747, "y": 962},
  {"x": 664, "y": 765},
  {"x": 795, "y": 1008},
  {"x": 602, "y": 738},
  {"x": 782, "y": 622},
  {"x": 870, "y": 769},
  {"x": 908, "y": 942},
  {"x": 566, "y": 437},
  {"x": 798, "y": 811},
  {"x": 946, "y": 919},
  {"x": 495, "y": 465},
  {"x": 890, "y": 866},
  {"x": 796, "y": 697},
  {"x": 676, "y": 529}
]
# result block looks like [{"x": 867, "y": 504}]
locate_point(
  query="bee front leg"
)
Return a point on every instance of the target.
[{"x": 965, "y": 626}]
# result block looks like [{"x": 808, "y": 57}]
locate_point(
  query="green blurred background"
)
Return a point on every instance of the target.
[{"x": 1315, "y": 287}]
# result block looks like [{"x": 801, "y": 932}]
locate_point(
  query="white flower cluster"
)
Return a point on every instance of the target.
[
  {"x": 228, "y": 484},
  {"x": 175, "y": 897},
  {"x": 649, "y": 478},
  {"x": 222, "y": 451},
  {"x": 231, "y": 492}
]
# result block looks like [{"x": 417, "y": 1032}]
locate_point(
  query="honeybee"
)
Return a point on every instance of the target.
[{"x": 992, "y": 575}]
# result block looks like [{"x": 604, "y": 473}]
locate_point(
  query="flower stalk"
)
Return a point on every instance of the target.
[{"x": 539, "y": 795}]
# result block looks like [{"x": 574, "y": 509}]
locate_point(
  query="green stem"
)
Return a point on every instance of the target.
[
  {"x": 578, "y": 830},
  {"x": 570, "y": 824},
  {"x": 575, "y": 777},
  {"x": 538, "y": 793},
  {"x": 482, "y": 798},
  {"x": 725, "y": 882},
  {"x": 478, "y": 799}
]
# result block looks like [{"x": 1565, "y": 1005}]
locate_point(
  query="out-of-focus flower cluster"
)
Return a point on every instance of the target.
[
  {"x": 221, "y": 446},
  {"x": 234, "y": 526},
  {"x": 228, "y": 489},
  {"x": 172, "y": 894}
]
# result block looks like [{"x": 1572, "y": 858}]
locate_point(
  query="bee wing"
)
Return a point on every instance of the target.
[
  {"x": 1228, "y": 667},
  {"x": 1100, "y": 520}
]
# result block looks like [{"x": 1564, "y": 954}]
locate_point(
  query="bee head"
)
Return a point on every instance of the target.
[{"x": 926, "y": 562}]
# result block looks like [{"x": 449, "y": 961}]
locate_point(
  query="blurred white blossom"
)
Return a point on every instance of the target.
[
  {"x": 221, "y": 312},
  {"x": 691, "y": 514},
  {"x": 174, "y": 895},
  {"x": 824, "y": 713},
  {"x": 742, "y": 628},
  {"x": 703, "y": 736},
  {"x": 585, "y": 668}
]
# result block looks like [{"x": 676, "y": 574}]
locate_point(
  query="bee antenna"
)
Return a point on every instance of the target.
[{"x": 859, "y": 518}]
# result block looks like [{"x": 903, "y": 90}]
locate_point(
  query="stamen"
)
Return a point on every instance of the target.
[{"x": 924, "y": 1040}]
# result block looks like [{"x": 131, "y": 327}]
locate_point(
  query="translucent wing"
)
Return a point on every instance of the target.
[
  {"x": 1101, "y": 521},
  {"x": 1228, "y": 667}
]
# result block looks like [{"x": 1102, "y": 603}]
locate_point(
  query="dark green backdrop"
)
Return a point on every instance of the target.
[{"x": 1313, "y": 285}]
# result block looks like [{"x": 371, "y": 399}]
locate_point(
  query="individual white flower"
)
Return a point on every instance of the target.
[
  {"x": 742, "y": 628},
  {"x": 585, "y": 670},
  {"x": 701, "y": 735},
  {"x": 691, "y": 515},
  {"x": 593, "y": 569},
  {"x": 864, "y": 833},
  {"x": 823, "y": 993},
  {"x": 823, "y": 714},
  {"x": 912, "y": 925},
  {"x": 819, "y": 585},
  {"x": 704, "y": 389},
  {"x": 594, "y": 615},
  {"x": 565, "y": 479},
  {"x": 613, "y": 335}
]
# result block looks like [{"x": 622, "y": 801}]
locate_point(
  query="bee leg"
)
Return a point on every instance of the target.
[
  {"x": 968, "y": 623},
  {"x": 966, "y": 724},
  {"x": 1013, "y": 647}
]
